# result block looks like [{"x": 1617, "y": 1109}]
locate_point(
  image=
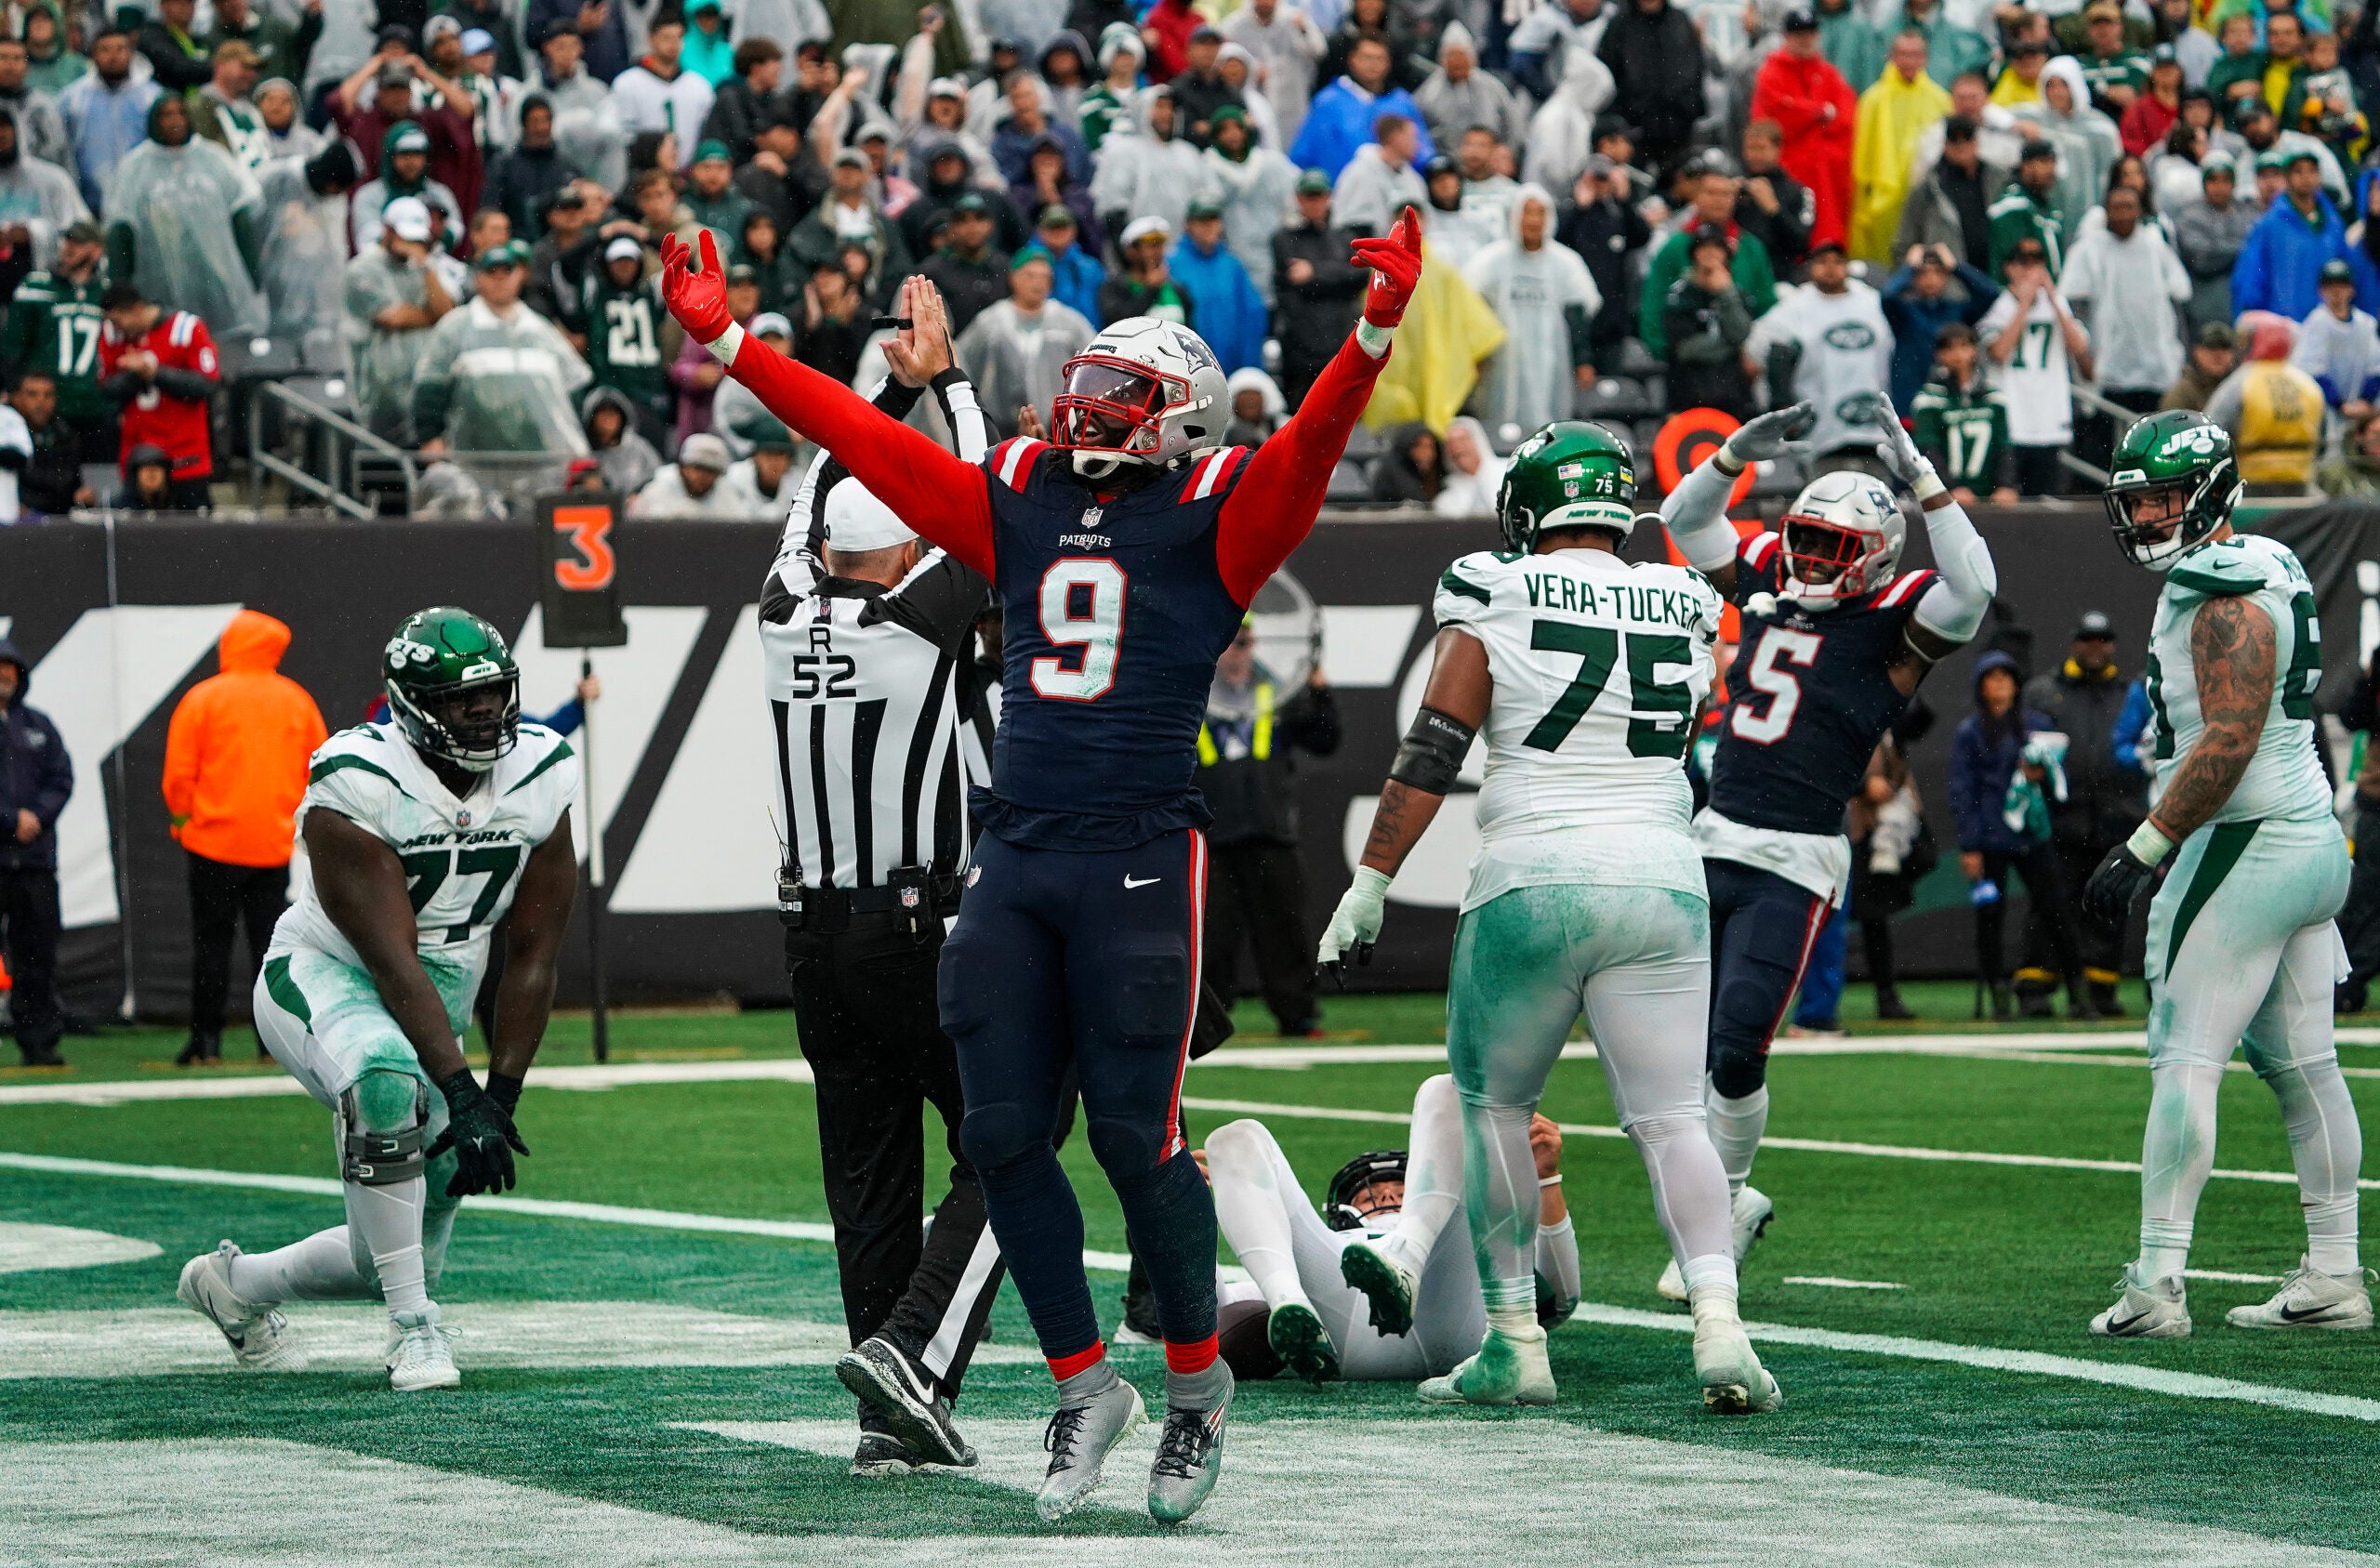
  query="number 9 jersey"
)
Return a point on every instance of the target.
[
  {"x": 462, "y": 858},
  {"x": 1599, "y": 669}
]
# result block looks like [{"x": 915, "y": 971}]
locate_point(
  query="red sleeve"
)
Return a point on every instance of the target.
[
  {"x": 1273, "y": 507},
  {"x": 202, "y": 358},
  {"x": 941, "y": 496}
]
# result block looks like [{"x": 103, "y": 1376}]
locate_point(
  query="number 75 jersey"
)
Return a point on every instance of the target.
[
  {"x": 1599, "y": 669},
  {"x": 462, "y": 858},
  {"x": 2284, "y": 779}
]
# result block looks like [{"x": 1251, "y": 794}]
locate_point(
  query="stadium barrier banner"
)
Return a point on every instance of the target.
[{"x": 120, "y": 619}]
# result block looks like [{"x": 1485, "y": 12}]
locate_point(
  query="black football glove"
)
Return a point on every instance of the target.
[
  {"x": 505, "y": 1091},
  {"x": 2107, "y": 898},
  {"x": 480, "y": 1132}
]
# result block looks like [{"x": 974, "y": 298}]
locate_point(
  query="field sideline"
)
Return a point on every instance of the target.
[{"x": 646, "y": 1328}]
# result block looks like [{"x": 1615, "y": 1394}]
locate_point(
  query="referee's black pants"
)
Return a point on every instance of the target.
[
  {"x": 865, "y": 999},
  {"x": 223, "y": 900},
  {"x": 1256, "y": 894}
]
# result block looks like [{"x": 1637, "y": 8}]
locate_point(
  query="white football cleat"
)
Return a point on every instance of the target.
[
  {"x": 1752, "y": 1212},
  {"x": 2307, "y": 1299},
  {"x": 260, "y": 1337},
  {"x": 1734, "y": 1383},
  {"x": 2157, "y": 1311},
  {"x": 421, "y": 1358},
  {"x": 1509, "y": 1369}
]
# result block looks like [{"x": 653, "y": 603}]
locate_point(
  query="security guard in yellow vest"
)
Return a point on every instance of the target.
[
  {"x": 1255, "y": 884},
  {"x": 2274, "y": 412}
]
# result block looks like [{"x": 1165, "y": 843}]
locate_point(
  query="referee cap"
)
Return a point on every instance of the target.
[{"x": 856, "y": 521}]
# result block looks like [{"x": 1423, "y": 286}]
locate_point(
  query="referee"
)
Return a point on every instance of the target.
[{"x": 863, "y": 629}]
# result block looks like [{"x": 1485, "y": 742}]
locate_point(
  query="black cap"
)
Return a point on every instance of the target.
[
  {"x": 2033, "y": 151},
  {"x": 1612, "y": 125},
  {"x": 1439, "y": 165},
  {"x": 1823, "y": 246},
  {"x": 2094, "y": 626},
  {"x": 2217, "y": 335},
  {"x": 1958, "y": 127},
  {"x": 1801, "y": 19},
  {"x": 2337, "y": 271}
]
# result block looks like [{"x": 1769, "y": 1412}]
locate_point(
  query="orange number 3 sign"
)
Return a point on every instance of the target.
[{"x": 590, "y": 530}]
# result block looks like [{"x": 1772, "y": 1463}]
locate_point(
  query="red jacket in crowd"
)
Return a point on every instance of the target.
[
  {"x": 1796, "y": 93},
  {"x": 170, "y": 412}
]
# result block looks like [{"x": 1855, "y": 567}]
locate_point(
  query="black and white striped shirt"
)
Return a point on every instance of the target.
[{"x": 863, "y": 687}]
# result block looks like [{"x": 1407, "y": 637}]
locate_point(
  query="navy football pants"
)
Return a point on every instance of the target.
[
  {"x": 1762, "y": 929},
  {"x": 1086, "y": 960}
]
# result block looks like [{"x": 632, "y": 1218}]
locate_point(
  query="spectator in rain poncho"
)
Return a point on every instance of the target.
[
  {"x": 2087, "y": 141},
  {"x": 1457, "y": 229},
  {"x": 390, "y": 297},
  {"x": 1254, "y": 186},
  {"x": 1460, "y": 95},
  {"x": 53, "y": 67},
  {"x": 1225, "y": 309},
  {"x": 1894, "y": 112},
  {"x": 1412, "y": 470},
  {"x": 737, "y": 415},
  {"x": 1015, "y": 349},
  {"x": 302, "y": 260},
  {"x": 609, "y": 421},
  {"x": 587, "y": 127},
  {"x": 405, "y": 171},
  {"x": 1149, "y": 173},
  {"x": 1381, "y": 180},
  {"x": 497, "y": 377},
  {"x": 184, "y": 222},
  {"x": 1561, "y": 134},
  {"x": 1236, "y": 67},
  {"x": 1285, "y": 42},
  {"x": 1257, "y": 408},
  {"x": 40, "y": 195},
  {"x": 1543, "y": 292},
  {"x": 286, "y": 133},
  {"x": 1474, "y": 472},
  {"x": 1951, "y": 49},
  {"x": 106, "y": 113}
]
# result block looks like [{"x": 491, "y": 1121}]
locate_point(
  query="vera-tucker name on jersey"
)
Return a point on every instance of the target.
[{"x": 1559, "y": 590}]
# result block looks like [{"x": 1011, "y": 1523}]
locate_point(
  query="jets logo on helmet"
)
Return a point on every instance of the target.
[
  {"x": 443, "y": 666},
  {"x": 1570, "y": 474},
  {"x": 1843, "y": 538},
  {"x": 2175, "y": 484},
  {"x": 1142, "y": 397}
]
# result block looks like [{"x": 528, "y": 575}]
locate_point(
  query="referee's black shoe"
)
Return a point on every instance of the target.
[{"x": 884, "y": 1376}]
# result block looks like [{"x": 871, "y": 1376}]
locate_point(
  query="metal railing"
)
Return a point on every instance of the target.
[
  {"x": 339, "y": 443},
  {"x": 2088, "y": 400}
]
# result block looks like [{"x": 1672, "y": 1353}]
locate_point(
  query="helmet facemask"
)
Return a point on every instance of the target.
[
  {"x": 460, "y": 724},
  {"x": 1826, "y": 564},
  {"x": 1107, "y": 415},
  {"x": 2158, "y": 521}
]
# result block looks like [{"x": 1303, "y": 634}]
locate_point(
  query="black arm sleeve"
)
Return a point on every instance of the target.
[
  {"x": 12, "y": 461},
  {"x": 187, "y": 384},
  {"x": 122, "y": 386}
]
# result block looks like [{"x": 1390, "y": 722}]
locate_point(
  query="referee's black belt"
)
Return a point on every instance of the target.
[{"x": 835, "y": 909}]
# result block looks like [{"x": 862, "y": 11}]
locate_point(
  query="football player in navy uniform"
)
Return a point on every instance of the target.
[
  {"x": 1124, "y": 551},
  {"x": 1834, "y": 639}
]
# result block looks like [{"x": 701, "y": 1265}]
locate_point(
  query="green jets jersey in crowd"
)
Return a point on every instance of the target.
[
  {"x": 54, "y": 327},
  {"x": 1964, "y": 432}
]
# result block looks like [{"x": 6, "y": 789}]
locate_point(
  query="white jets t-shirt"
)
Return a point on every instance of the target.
[{"x": 2037, "y": 377}]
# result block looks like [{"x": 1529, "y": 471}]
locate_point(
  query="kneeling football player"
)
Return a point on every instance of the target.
[
  {"x": 420, "y": 834},
  {"x": 1300, "y": 1311}
]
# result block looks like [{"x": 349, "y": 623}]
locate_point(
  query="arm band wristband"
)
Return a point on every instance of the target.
[
  {"x": 1430, "y": 758},
  {"x": 1553, "y": 1180},
  {"x": 1929, "y": 484},
  {"x": 2149, "y": 843}
]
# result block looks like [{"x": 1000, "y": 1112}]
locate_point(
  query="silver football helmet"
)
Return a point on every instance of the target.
[
  {"x": 1842, "y": 537},
  {"x": 1145, "y": 395}
]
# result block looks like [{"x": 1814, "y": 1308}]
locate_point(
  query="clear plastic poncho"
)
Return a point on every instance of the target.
[
  {"x": 511, "y": 382},
  {"x": 303, "y": 252},
  {"x": 179, "y": 204}
]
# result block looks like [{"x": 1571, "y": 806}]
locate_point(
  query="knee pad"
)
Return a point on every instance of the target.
[
  {"x": 1125, "y": 1151},
  {"x": 384, "y": 1121},
  {"x": 1737, "y": 1070},
  {"x": 995, "y": 1136},
  {"x": 1650, "y": 1131}
]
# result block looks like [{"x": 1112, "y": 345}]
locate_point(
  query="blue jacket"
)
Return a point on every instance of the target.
[
  {"x": 2132, "y": 729},
  {"x": 2367, "y": 272},
  {"x": 1915, "y": 320},
  {"x": 36, "y": 775},
  {"x": 1226, "y": 310},
  {"x": 1077, "y": 277},
  {"x": 2280, "y": 267},
  {"x": 1981, "y": 763},
  {"x": 1339, "y": 120}
]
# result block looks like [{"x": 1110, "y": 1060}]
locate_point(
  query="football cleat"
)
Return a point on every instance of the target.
[
  {"x": 1297, "y": 1336},
  {"x": 1079, "y": 1438},
  {"x": 1127, "y": 1335},
  {"x": 420, "y": 1357},
  {"x": 880, "y": 1455},
  {"x": 1189, "y": 1457},
  {"x": 260, "y": 1336},
  {"x": 1734, "y": 1383},
  {"x": 881, "y": 1374},
  {"x": 2157, "y": 1311},
  {"x": 1388, "y": 1285},
  {"x": 1752, "y": 1211},
  {"x": 1509, "y": 1369},
  {"x": 2307, "y": 1299}
]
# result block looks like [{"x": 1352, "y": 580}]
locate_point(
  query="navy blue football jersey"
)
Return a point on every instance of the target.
[
  {"x": 1808, "y": 697},
  {"x": 1116, "y": 613}
]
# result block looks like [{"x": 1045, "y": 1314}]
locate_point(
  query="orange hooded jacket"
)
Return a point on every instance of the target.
[{"x": 237, "y": 749}]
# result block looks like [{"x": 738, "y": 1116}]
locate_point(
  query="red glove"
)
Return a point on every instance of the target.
[
  {"x": 1397, "y": 270},
  {"x": 697, "y": 299}
]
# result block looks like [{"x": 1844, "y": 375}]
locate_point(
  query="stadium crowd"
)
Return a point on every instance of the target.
[{"x": 1633, "y": 207}]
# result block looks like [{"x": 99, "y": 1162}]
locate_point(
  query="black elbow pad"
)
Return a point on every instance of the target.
[{"x": 1431, "y": 754}]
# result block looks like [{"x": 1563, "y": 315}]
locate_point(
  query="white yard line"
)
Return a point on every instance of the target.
[
  {"x": 1833, "y": 1284},
  {"x": 2224, "y": 1276}
]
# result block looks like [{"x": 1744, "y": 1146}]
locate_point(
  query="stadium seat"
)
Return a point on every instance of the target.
[
  {"x": 1612, "y": 398},
  {"x": 1634, "y": 360},
  {"x": 1348, "y": 483},
  {"x": 1363, "y": 442}
]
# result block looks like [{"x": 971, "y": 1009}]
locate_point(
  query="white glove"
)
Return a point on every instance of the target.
[
  {"x": 1899, "y": 452},
  {"x": 1768, "y": 435},
  {"x": 1354, "y": 925}
]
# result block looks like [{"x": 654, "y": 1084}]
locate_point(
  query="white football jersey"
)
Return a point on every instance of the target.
[
  {"x": 462, "y": 858},
  {"x": 1599, "y": 667},
  {"x": 2284, "y": 780}
]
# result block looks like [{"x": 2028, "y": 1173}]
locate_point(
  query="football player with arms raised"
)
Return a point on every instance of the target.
[
  {"x": 420, "y": 834},
  {"x": 1835, "y": 638},
  {"x": 1585, "y": 674},
  {"x": 1124, "y": 552},
  {"x": 2242, "y": 944}
]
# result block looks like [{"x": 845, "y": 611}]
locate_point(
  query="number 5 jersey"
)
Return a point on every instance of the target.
[
  {"x": 1599, "y": 667},
  {"x": 462, "y": 858}
]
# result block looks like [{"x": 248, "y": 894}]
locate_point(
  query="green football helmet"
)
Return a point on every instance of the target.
[
  {"x": 2171, "y": 483},
  {"x": 434, "y": 666},
  {"x": 1570, "y": 474}
]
